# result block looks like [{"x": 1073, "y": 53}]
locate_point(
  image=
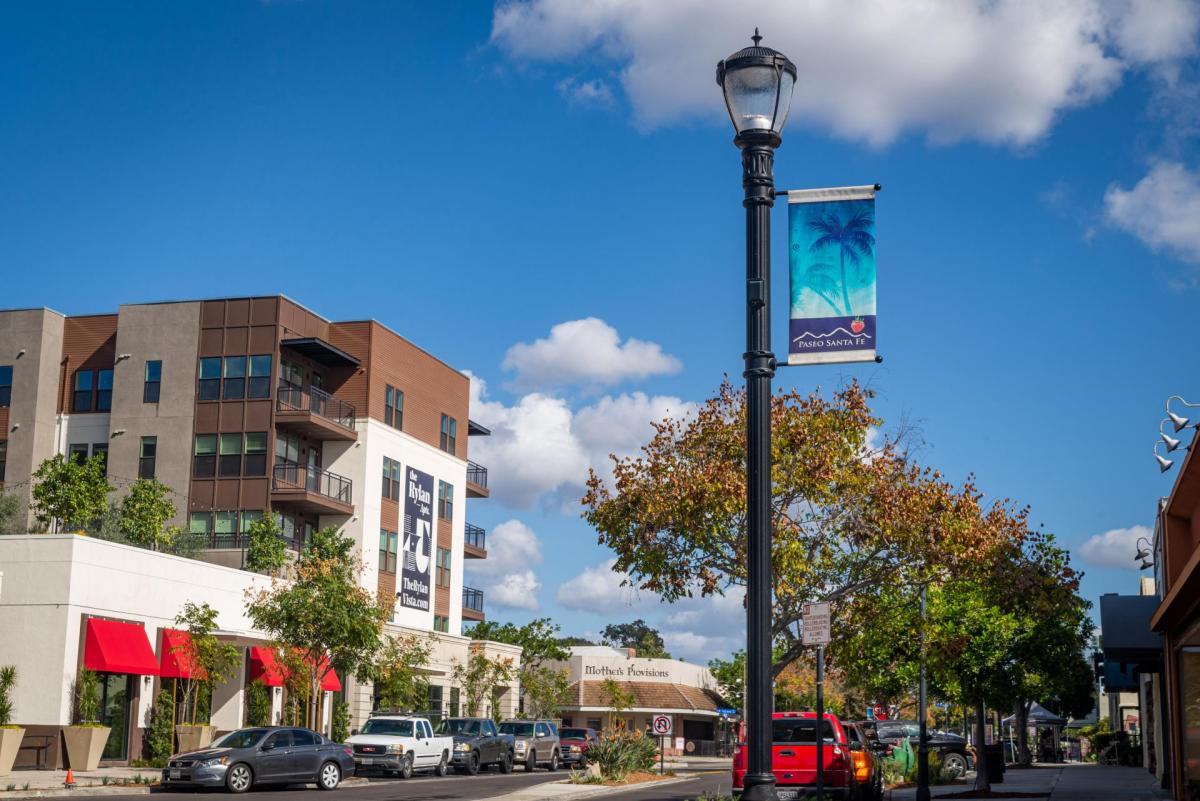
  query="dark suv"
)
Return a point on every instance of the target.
[
  {"x": 957, "y": 757},
  {"x": 477, "y": 744}
]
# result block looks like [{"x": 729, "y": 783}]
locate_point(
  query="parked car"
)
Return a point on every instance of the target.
[
  {"x": 956, "y": 755},
  {"x": 574, "y": 744},
  {"x": 477, "y": 744},
  {"x": 535, "y": 742},
  {"x": 400, "y": 744},
  {"x": 263, "y": 755},
  {"x": 868, "y": 767},
  {"x": 794, "y": 757}
]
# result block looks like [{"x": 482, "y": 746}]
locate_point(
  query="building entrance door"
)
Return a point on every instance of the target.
[{"x": 115, "y": 692}]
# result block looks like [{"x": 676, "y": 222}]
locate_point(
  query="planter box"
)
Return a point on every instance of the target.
[
  {"x": 193, "y": 738},
  {"x": 10, "y": 741},
  {"x": 85, "y": 744}
]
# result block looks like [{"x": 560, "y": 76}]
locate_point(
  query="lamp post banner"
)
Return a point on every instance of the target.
[{"x": 831, "y": 259}]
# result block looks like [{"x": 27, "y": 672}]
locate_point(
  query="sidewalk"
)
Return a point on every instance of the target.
[
  {"x": 1074, "y": 782},
  {"x": 102, "y": 781}
]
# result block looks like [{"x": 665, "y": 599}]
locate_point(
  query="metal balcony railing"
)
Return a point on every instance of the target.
[
  {"x": 477, "y": 474},
  {"x": 473, "y": 599},
  {"x": 295, "y": 398},
  {"x": 295, "y": 476},
  {"x": 476, "y": 537}
]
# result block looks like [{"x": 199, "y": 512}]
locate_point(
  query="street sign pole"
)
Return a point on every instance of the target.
[
  {"x": 662, "y": 755},
  {"x": 820, "y": 728}
]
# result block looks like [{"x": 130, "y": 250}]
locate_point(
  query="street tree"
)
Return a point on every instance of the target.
[
  {"x": 545, "y": 689},
  {"x": 211, "y": 660},
  {"x": 617, "y": 699},
  {"x": 71, "y": 493},
  {"x": 730, "y": 675},
  {"x": 483, "y": 677},
  {"x": 322, "y": 614},
  {"x": 11, "y": 521},
  {"x": 266, "y": 552},
  {"x": 636, "y": 635},
  {"x": 401, "y": 682},
  {"x": 144, "y": 512}
]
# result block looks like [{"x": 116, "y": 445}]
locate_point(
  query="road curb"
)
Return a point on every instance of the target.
[
  {"x": 538, "y": 792},
  {"x": 133, "y": 789}
]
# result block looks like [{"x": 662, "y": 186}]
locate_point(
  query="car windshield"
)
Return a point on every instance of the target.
[
  {"x": 517, "y": 729},
  {"x": 573, "y": 734},
  {"x": 242, "y": 738},
  {"x": 396, "y": 728},
  {"x": 799, "y": 730},
  {"x": 458, "y": 726}
]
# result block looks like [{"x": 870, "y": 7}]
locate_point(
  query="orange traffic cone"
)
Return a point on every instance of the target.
[{"x": 70, "y": 782}]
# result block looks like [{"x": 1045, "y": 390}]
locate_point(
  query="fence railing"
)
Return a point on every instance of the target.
[
  {"x": 473, "y": 599},
  {"x": 296, "y": 476},
  {"x": 476, "y": 537},
  {"x": 295, "y": 398},
  {"x": 477, "y": 474}
]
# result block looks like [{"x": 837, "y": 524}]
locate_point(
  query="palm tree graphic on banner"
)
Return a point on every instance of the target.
[{"x": 854, "y": 242}]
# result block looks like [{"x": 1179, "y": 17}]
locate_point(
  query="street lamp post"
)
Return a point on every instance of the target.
[{"x": 757, "y": 82}]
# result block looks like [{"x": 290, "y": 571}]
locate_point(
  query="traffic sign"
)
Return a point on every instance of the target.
[
  {"x": 816, "y": 624},
  {"x": 662, "y": 725}
]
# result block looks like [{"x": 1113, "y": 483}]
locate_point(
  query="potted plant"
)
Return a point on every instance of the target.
[
  {"x": 10, "y": 733},
  {"x": 209, "y": 661},
  {"x": 86, "y": 738}
]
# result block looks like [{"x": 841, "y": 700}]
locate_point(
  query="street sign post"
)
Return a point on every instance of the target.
[
  {"x": 662, "y": 725},
  {"x": 816, "y": 631}
]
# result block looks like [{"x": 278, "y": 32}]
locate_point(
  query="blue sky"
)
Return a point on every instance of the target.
[{"x": 474, "y": 176}]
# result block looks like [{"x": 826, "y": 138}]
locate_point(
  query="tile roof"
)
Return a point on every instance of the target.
[{"x": 650, "y": 695}]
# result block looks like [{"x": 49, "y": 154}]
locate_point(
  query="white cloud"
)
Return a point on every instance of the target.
[
  {"x": 699, "y": 629},
  {"x": 594, "y": 93},
  {"x": 506, "y": 576},
  {"x": 1162, "y": 209},
  {"x": 598, "y": 589},
  {"x": 586, "y": 352},
  {"x": 540, "y": 447},
  {"x": 1114, "y": 548},
  {"x": 999, "y": 71}
]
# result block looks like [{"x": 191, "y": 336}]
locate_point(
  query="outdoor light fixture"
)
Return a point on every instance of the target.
[
  {"x": 1170, "y": 441},
  {"x": 1179, "y": 420},
  {"x": 1143, "y": 553},
  {"x": 1163, "y": 464},
  {"x": 757, "y": 84},
  {"x": 1145, "y": 565}
]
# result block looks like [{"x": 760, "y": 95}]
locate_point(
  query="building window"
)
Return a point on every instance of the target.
[
  {"x": 204, "y": 461},
  {"x": 5, "y": 385},
  {"x": 291, "y": 373},
  {"x": 78, "y": 452},
  {"x": 260, "y": 377},
  {"x": 104, "y": 379},
  {"x": 234, "y": 386},
  {"x": 146, "y": 457},
  {"x": 442, "y": 623},
  {"x": 231, "y": 455},
  {"x": 287, "y": 449},
  {"x": 256, "y": 453},
  {"x": 391, "y": 479},
  {"x": 454, "y": 691},
  {"x": 388, "y": 542},
  {"x": 445, "y": 501},
  {"x": 393, "y": 407},
  {"x": 81, "y": 401},
  {"x": 152, "y": 382},
  {"x": 449, "y": 433},
  {"x": 249, "y": 518},
  {"x": 443, "y": 567},
  {"x": 225, "y": 528},
  {"x": 200, "y": 523},
  {"x": 100, "y": 451},
  {"x": 3, "y": 457},
  {"x": 210, "y": 379}
]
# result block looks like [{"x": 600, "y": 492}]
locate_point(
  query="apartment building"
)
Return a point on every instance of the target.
[{"x": 246, "y": 407}]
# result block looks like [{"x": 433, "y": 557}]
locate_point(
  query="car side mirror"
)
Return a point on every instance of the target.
[
  {"x": 353, "y": 732},
  {"x": 856, "y": 746},
  {"x": 268, "y": 747}
]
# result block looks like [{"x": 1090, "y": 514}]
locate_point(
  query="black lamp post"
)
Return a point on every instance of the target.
[{"x": 757, "y": 82}]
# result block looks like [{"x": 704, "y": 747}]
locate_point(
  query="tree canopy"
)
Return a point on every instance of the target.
[{"x": 636, "y": 635}]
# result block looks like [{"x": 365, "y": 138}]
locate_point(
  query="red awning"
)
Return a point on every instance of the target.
[
  {"x": 331, "y": 680},
  {"x": 111, "y": 646},
  {"x": 175, "y": 657},
  {"x": 264, "y": 665}
]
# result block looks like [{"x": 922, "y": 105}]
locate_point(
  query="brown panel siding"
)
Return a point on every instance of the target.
[
  {"x": 89, "y": 343},
  {"x": 355, "y": 339},
  {"x": 441, "y": 601},
  {"x": 445, "y": 534},
  {"x": 387, "y": 585}
]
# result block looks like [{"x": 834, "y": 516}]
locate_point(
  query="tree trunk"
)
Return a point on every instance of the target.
[
  {"x": 981, "y": 774},
  {"x": 1022, "y": 723},
  {"x": 845, "y": 289}
]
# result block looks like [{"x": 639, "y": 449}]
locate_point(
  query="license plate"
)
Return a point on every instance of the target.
[
  {"x": 175, "y": 773},
  {"x": 785, "y": 794},
  {"x": 367, "y": 760}
]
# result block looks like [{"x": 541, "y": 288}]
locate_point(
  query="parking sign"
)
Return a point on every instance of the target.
[
  {"x": 816, "y": 624},
  {"x": 661, "y": 725}
]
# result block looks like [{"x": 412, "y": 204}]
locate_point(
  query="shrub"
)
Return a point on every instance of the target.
[
  {"x": 258, "y": 704},
  {"x": 339, "y": 726},
  {"x": 8, "y": 680},
  {"x": 160, "y": 734},
  {"x": 621, "y": 752},
  {"x": 937, "y": 771},
  {"x": 87, "y": 698}
]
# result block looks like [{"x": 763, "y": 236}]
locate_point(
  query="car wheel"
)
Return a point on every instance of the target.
[
  {"x": 531, "y": 762},
  {"x": 441, "y": 769},
  {"x": 406, "y": 766},
  {"x": 238, "y": 778},
  {"x": 473, "y": 763},
  {"x": 329, "y": 777},
  {"x": 506, "y": 763},
  {"x": 554, "y": 760},
  {"x": 954, "y": 764}
]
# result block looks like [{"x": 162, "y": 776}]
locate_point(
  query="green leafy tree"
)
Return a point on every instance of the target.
[
  {"x": 731, "y": 678},
  {"x": 266, "y": 551},
  {"x": 160, "y": 733},
  {"x": 546, "y": 690},
  {"x": 567, "y": 642},
  {"x": 70, "y": 493},
  {"x": 482, "y": 678},
  {"x": 323, "y": 614},
  {"x": 212, "y": 661},
  {"x": 258, "y": 704},
  {"x": 617, "y": 699},
  {"x": 398, "y": 673},
  {"x": 87, "y": 698},
  {"x": 11, "y": 519},
  {"x": 145, "y": 510},
  {"x": 339, "y": 727},
  {"x": 638, "y": 636}
]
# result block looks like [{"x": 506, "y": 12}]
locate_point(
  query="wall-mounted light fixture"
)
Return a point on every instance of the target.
[
  {"x": 117, "y": 433},
  {"x": 122, "y": 357},
  {"x": 20, "y": 353}
]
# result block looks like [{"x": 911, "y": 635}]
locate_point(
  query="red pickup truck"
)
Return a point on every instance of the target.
[{"x": 794, "y": 757}]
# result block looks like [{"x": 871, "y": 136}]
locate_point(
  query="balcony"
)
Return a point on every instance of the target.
[
  {"x": 315, "y": 413},
  {"x": 472, "y": 607},
  {"x": 476, "y": 481},
  {"x": 311, "y": 489},
  {"x": 475, "y": 543}
]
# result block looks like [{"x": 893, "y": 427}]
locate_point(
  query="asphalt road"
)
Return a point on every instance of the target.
[{"x": 450, "y": 788}]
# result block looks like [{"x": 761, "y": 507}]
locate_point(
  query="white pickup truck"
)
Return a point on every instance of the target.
[{"x": 400, "y": 744}]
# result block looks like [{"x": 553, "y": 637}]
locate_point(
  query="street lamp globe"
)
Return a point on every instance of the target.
[{"x": 757, "y": 82}]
